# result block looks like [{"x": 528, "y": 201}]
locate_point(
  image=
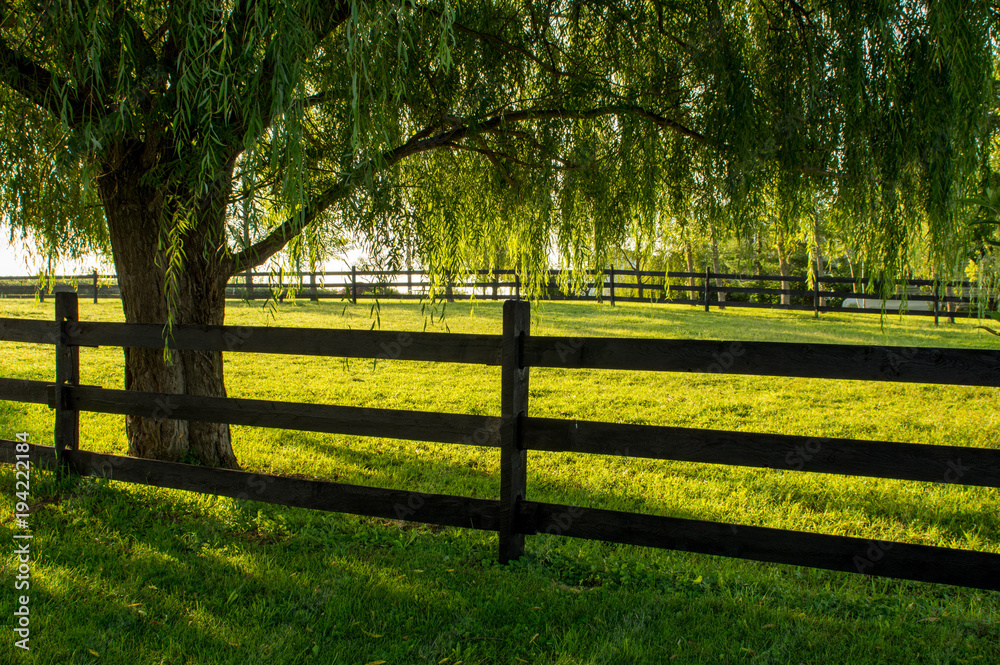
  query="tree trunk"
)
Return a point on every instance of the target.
[
  {"x": 689, "y": 255},
  {"x": 817, "y": 250},
  {"x": 134, "y": 211},
  {"x": 758, "y": 266},
  {"x": 638, "y": 277},
  {"x": 715, "y": 267},
  {"x": 784, "y": 268}
]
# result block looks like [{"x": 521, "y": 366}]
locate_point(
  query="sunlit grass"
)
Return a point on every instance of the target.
[{"x": 228, "y": 581}]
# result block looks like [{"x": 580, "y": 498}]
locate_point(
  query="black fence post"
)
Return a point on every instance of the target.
[
  {"x": 513, "y": 410},
  {"x": 312, "y": 287},
  {"x": 354, "y": 286},
  {"x": 611, "y": 284},
  {"x": 708, "y": 274},
  {"x": 517, "y": 286},
  {"x": 95, "y": 286},
  {"x": 67, "y": 425}
]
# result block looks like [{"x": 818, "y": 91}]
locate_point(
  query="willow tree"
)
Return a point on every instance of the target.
[{"x": 469, "y": 129}]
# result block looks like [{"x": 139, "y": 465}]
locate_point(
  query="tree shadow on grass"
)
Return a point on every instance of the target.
[{"x": 246, "y": 582}]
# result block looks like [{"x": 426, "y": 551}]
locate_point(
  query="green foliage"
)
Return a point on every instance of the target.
[{"x": 453, "y": 132}]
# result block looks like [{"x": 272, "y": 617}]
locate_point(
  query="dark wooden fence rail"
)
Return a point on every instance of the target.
[
  {"x": 921, "y": 297},
  {"x": 512, "y": 515}
]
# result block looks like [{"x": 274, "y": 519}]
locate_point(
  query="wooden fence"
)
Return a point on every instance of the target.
[
  {"x": 707, "y": 289},
  {"x": 513, "y": 515}
]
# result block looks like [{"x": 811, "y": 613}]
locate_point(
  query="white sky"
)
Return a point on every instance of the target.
[{"x": 15, "y": 260}]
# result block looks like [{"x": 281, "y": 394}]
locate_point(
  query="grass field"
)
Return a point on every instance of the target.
[{"x": 129, "y": 574}]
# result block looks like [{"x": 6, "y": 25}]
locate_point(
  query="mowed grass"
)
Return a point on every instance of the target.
[{"x": 131, "y": 574}]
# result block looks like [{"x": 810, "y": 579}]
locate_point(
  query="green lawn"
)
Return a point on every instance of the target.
[{"x": 130, "y": 574}]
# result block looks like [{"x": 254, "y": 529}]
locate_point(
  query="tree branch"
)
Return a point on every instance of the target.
[
  {"x": 37, "y": 85},
  {"x": 505, "y": 45},
  {"x": 139, "y": 41},
  {"x": 339, "y": 11},
  {"x": 317, "y": 99},
  {"x": 494, "y": 160},
  {"x": 285, "y": 232},
  {"x": 424, "y": 141},
  {"x": 494, "y": 157},
  {"x": 280, "y": 236}
]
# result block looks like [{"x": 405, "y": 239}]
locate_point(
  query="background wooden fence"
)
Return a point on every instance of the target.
[
  {"x": 707, "y": 289},
  {"x": 512, "y": 515}
]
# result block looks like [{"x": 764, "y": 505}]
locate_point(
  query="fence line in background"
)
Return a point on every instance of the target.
[
  {"x": 512, "y": 515},
  {"x": 827, "y": 294}
]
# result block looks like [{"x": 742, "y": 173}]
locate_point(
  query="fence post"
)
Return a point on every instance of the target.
[
  {"x": 248, "y": 284},
  {"x": 95, "y": 286},
  {"x": 354, "y": 286},
  {"x": 513, "y": 409},
  {"x": 517, "y": 286},
  {"x": 611, "y": 284},
  {"x": 708, "y": 275},
  {"x": 67, "y": 426}
]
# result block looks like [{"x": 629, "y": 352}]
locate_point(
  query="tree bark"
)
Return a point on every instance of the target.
[
  {"x": 715, "y": 266},
  {"x": 818, "y": 251},
  {"x": 758, "y": 266},
  {"x": 689, "y": 255},
  {"x": 784, "y": 268},
  {"x": 449, "y": 288},
  {"x": 638, "y": 277},
  {"x": 134, "y": 212}
]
